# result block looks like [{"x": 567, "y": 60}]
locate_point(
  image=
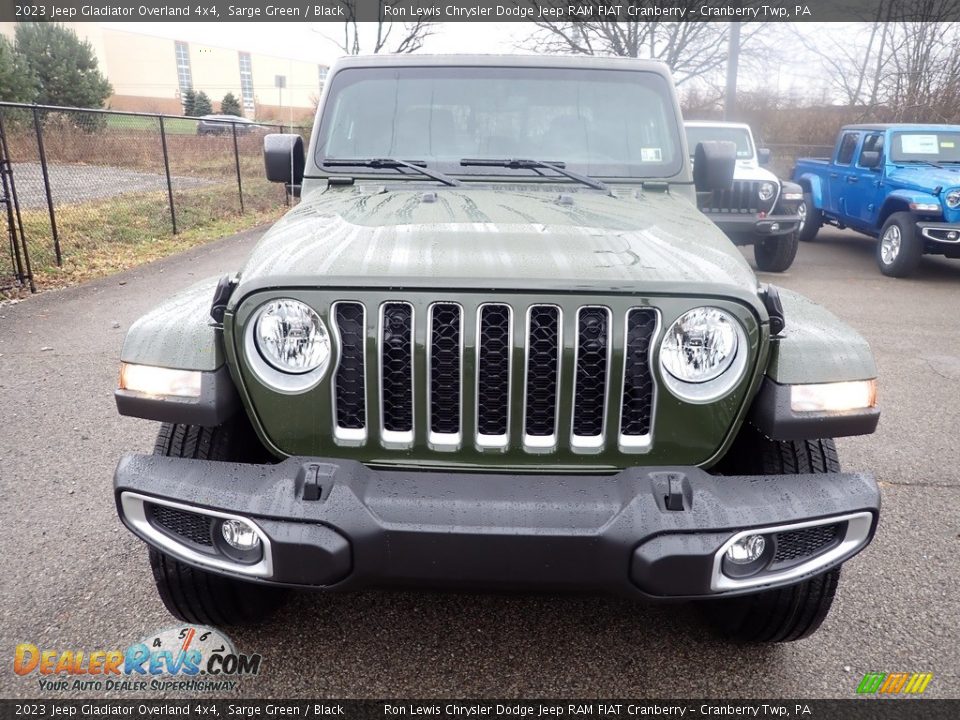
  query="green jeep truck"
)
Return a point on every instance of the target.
[{"x": 496, "y": 347}]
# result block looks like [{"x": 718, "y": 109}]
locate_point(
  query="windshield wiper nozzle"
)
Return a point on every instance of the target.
[
  {"x": 526, "y": 164},
  {"x": 393, "y": 163}
]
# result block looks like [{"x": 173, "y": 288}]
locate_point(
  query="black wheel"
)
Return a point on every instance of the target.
[
  {"x": 775, "y": 253},
  {"x": 899, "y": 248},
  {"x": 796, "y": 611},
  {"x": 810, "y": 219},
  {"x": 191, "y": 594}
]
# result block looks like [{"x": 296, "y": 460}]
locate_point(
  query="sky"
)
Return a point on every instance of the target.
[
  {"x": 309, "y": 41},
  {"x": 801, "y": 74}
]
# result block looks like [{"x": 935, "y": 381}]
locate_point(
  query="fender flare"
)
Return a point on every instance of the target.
[{"x": 813, "y": 184}]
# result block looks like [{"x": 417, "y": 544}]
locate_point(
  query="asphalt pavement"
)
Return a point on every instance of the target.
[{"x": 72, "y": 578}]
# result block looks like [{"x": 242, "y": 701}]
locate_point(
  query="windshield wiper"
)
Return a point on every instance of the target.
[
  {"x": 522, "y": 164},
  {"x": 925, "y": 162},
  {"x": 393, "y": 163}
]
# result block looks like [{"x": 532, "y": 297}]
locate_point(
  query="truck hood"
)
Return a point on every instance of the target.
[
  {"x": 926, "y": 177},
  {"x": 497, "y": 237}
]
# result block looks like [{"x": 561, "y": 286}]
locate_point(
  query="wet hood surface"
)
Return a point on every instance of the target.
[{"x": 492, "y": 237}]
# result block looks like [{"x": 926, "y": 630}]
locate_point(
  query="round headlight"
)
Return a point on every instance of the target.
[
  {"x": 766, "y": 191},
  {"x": 953, "y": 198},
  {"x": 291, "y": 337},
  {"x": 700, "y": 345}
]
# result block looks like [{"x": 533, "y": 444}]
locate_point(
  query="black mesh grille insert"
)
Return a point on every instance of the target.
[
  {"x": 493, "y": 370},
  {"x": 445, "y": 368},
  {"x": 637, "y": 383},
  {"x": 798, "y": 544},
  {"x": 396, "y": 355},
  {"x": 743, "y": 197},
  {"x": 191, "y": 526},
  {"x": 592, "y": 348},
  {"x": 543, "y": 364},
  {"x": 350, "y": 380}
]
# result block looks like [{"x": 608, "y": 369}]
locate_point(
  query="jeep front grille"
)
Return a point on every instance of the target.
[
  {"x": 470, "y": 375},
  {"x": 743, "y": 197}
]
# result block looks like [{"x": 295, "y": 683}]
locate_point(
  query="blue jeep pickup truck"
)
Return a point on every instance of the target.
[{"x": 899, "y": 183}]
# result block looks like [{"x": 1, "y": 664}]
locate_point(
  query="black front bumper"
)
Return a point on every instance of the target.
[
  {"x": 746, "y": 227},
  {"x": 645, "y": 531}
]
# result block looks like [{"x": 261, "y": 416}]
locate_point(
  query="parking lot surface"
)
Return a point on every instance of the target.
[{"x": 72, "y": 578}]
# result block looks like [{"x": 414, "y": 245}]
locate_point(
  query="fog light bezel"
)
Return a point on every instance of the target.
[
  {"x": 858, "y": 532},
  {"x": 133, "y": 507}
]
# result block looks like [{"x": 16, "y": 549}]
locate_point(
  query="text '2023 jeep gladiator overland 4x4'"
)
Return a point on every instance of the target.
[{"x": 496, "y": 346}]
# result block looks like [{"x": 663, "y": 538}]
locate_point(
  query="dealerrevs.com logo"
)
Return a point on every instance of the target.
[{"x": 189, "y": 658}]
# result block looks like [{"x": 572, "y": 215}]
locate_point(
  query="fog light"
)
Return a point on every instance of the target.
[
  {"x": 240, "y": 535},
  {"x": 774, "y": 227},
  {"x": 953, "y": 235},
  {"x": 747, "y": 549}
]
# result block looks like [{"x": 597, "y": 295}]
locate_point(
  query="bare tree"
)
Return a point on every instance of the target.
[
  {"x": 901, "y": 67},
  {"x": 369, "y": 38},
  {"x": 691, "y": 49}
]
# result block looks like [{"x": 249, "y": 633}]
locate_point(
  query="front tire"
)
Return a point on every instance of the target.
[
  {"x": 899, "y": 247},
  {"x": 191, "y": 594},
  {"x": 775, "y": 253},
  {"x": 788, "y": 613},
  {"x": 810, "y": 219}
]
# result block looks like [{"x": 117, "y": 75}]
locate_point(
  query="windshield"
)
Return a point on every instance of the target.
[
  {"x": 738, "y": 136},
  {"x": 608, "y": 123},
  {"x": 942, "y": 146}
]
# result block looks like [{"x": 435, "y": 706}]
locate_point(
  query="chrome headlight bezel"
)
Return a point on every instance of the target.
[
  {"x": 724, "y": 379},
  {"x": 766, "y": 191},
  {"x": 270, "y": 370},
  {"x": 952, "y": 199}
]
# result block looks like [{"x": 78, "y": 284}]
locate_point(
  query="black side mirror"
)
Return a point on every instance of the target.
[
  {"x": 763, "y": 156},
  {"x": 283, "y": 158},
  {"x": 870, "y": 159},
  {"x": 714, "y": 163}
]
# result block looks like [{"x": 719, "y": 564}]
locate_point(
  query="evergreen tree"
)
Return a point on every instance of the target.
[
  {"x": 189, "y": 101},
  {"x": 230, "y": 105},
  {"x": 202, "y": 106},
  {"x": 17, "y": 81},
  {"x": 65, "y": 67}
]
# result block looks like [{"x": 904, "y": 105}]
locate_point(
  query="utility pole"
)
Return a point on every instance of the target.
[{"x": 733, "y": 59}]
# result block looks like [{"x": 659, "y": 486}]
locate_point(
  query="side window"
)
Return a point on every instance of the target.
[
  {"x": 873, "y": 141},
  {"x": 848, "y": 144}
]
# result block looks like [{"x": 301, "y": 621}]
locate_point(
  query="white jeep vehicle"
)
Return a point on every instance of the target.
[{"x": 760, "y": 209}]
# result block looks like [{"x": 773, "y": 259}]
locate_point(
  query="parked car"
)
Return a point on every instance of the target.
[
  {"x": 222, "y": 124},
  {"x": 899, "y": 183},
  {"x": 760, "y": 209},
  {"x": 454, "y": 364}
]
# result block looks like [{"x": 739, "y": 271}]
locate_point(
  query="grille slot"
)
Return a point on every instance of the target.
[
  {"x": 396, "y": 370},
  {"x": 350, "y": 383},
  {"x": 494, "y": 344},
  {"x": 637, "y": 401},
  {"x": 445, "y": 370},
  {"x": 741, "y": 198},
  {"x": 795, "y": 545},
  {"x": 192, "y": 527},
  {"x": 544, "y": 345},
  {"x": 593, "y": 357}
]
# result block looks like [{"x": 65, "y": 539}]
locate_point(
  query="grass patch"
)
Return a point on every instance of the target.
[{"x": 107, "y": 236}]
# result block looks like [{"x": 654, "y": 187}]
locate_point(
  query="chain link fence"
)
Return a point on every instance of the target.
[{"x": 87, "y": 191}]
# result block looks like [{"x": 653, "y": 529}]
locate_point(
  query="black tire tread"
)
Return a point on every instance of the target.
[
  {"x": 191, "y": 594},
  {"x": 776, "y": 253},
  {"x": 911, "y": 246},
  {"x": 796, "y": 611}
]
